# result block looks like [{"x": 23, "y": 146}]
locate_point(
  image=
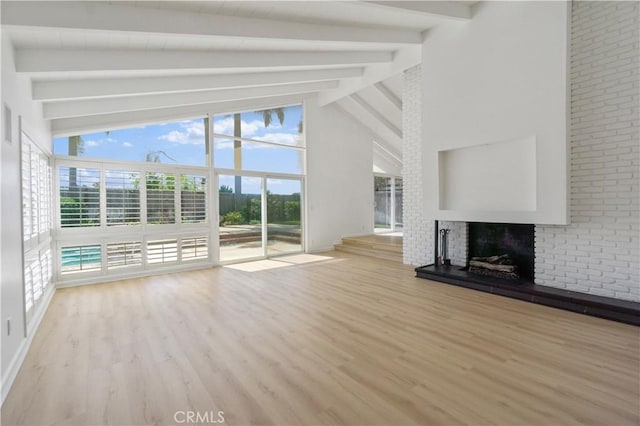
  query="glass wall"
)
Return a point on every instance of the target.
[
  {"x": 261, "y": 159},
  {"x": 180, "y": 142},
  {"x": 140, "y": 198}
]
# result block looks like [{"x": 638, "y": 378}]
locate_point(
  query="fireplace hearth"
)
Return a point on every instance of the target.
[{"x": 489, "y": 242}]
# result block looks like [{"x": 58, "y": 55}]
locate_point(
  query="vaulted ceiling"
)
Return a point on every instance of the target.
[{"x": 100, "y": 65}]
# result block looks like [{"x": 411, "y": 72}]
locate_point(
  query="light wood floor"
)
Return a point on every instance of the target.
[{"x": 330, "y": 339}]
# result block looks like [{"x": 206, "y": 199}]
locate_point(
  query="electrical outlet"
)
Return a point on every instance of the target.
[{"x": 9, "y": 326}]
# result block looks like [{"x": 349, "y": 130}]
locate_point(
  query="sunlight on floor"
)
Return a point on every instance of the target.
[{"x": 280, "y": 262}]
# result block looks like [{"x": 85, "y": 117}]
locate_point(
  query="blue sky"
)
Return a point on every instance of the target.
[{"x": 183, "y": 142}]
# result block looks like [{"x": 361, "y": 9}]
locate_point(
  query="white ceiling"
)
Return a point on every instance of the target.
[{"x": 96, "y": 65}]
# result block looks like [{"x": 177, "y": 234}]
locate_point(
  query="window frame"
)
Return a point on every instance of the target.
[
  {"x": 37, "y": 251},
  {"x": 105, "y": 234}
]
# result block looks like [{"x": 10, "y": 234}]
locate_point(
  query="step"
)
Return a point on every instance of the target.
[
  {"x": 379, "y": 254},
  {"x": 372, "y": 245}
]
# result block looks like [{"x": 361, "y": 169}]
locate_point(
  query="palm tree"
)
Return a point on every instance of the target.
[
  {"x": 267, "y": 116},
  {"x": 76, "y": 148},
  {"x": 154, "y": 156}
]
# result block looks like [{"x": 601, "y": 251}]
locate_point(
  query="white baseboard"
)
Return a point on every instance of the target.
[{"x": 21, "y": 353}]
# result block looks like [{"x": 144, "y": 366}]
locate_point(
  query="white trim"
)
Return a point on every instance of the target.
[
  {"x": 240, "y": 138},
  {"x": 138, "y": 273},
  {"x": 14, "y": 366}
]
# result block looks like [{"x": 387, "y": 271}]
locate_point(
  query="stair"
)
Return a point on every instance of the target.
[{"x": 378, "y": 246}]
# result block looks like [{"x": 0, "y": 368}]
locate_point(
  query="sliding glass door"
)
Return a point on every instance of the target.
[
  {"x": 382, "y": 203},
  {"x": 284, "y": 215},
  {"x": 260, "y": 216},
  {"x": 387, "y": 193},
  {"x": 240, "y": 207}
]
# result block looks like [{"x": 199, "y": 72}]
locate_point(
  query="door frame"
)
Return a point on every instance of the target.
[
  {"x": 264, "y": 176},
  {"x": 393, "y": 209}
]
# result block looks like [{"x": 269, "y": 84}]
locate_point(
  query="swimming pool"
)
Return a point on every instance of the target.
[{"x": 82, "y": 255}]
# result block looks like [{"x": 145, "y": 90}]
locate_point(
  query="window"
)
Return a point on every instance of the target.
[
  {"x": 181, "y": 142},
  {"x": 266, "y": 141},
  {"x": 118, "y": 209},
  {"x": 193, "y": 198},
  {"x": 121, "y": 255},
  {"x": 85, "y": 258},
  {"x": 388, "y": 203},
  {"x": 161, "y": 198},
  {"x": 79, "y": 197},
  {"x": 37, "y": 276},
  {"x": 44, "y": 198},
  {"x": 163, "y": 251},
  {"x": 194, "y": 248},
  {"x": 27, "y": 218},
  {"x": 36, "y": 217},
  {"x": 36, "y": 190},
  {"x": 123, "y": 197}
]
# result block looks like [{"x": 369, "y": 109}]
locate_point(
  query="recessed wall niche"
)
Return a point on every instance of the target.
[{"x": 498, "y": 176}]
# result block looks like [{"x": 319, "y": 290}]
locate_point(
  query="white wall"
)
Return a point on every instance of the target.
[
  {"x": 599, "y": 253},
  {"x": 500, "y": 77},
  {"x": 16, "y": 93},
  {"x": 385, "y": 164},
  {"x": 339, "y": 176}
]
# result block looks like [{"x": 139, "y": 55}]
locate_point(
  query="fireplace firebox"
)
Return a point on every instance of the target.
[{"x": 512, "y": 241}]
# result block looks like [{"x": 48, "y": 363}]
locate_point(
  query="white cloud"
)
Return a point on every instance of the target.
[
  {"x": 284, "y": 138},
  {"x": 127, "y": 144},
  {"x": 192, "y": 133},
  {"x": 225, "y": 127},
  {"x": 91, "y": 144}
]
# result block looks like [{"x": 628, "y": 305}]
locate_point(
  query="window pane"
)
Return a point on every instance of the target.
[
  {"x": 161, "y": 198},
  {"x": 28, "y": 289},
  {"x": 195, "y": 248},
  {"x": 35, "y": 194},
  {"x": 180, "y": 142},
  {"x": 79, "y": 197},
  {"x": 81, "y": 259},
  {"x": 240, "y": 203},
  {"x": 257, "y": 156},
  {"x": 284, "y": 215},
  {"x": 164, "y": 251},
  {"x": 47, "y": 266},
  {"x": 120, "y": 255},
  {"x": 123, "y": 197},
  {"x": 398, "y": 200},
  {"x": 38, "y": 284},
  {"x": 26, "y": 191},
  {"x": 44, "y": 186},
  {"x": 224, "y": 153},
  {"x": 193, "y": 198},
  {"x": 265, "y": 125},
  {"x": 382, "y": 199}
]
